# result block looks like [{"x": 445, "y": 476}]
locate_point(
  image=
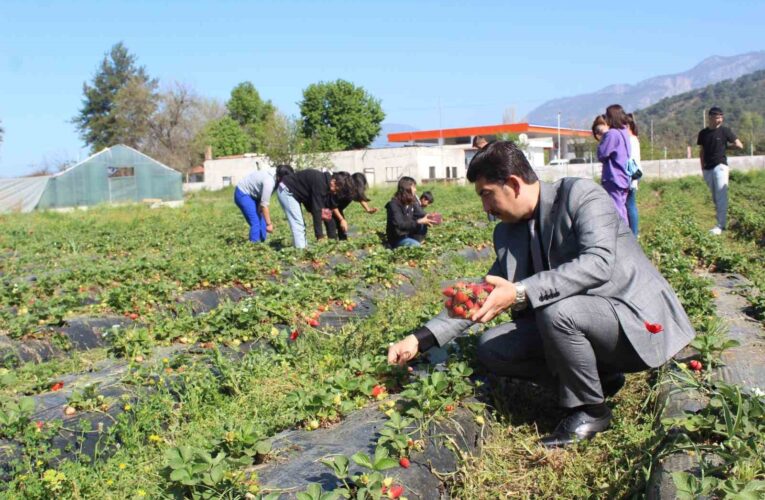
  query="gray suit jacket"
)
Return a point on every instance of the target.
[{"x": 590, "y": 251}]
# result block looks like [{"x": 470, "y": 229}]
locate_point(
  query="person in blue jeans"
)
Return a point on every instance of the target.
[
  {"x": 403, "y": 226},
  {"x": 317, "y": 191},
  {"x": 714, "y": 140},
  {"x": 253, "y": 195},
  {"x": 632, "y": 209}
]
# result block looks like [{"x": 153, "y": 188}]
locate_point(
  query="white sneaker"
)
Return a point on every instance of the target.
[{"x": 716, "y": 231}]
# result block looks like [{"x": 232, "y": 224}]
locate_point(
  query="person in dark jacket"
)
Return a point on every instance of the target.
[
  {"x": 360, "y": 187},
  {"x": 405, "y": 216},
  {"x": 313, "y": 189}
]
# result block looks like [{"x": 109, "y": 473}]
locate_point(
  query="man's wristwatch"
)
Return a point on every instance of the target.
[{"x": 520, "y": 297}]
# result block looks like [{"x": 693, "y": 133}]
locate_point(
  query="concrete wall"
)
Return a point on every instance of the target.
[
  {"x": 656, "y": 169},
  {"x": 383, "y": 167},
  {"x": 223, "y": 172}
]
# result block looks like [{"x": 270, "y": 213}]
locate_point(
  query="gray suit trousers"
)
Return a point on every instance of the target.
[{"x": 576, "y": 340}]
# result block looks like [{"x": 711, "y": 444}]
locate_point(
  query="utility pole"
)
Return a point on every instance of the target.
[
  {"x": 559, "y": 156},
  {"x": 703, "y": 120},
  {"x": 651, "y": 138}
]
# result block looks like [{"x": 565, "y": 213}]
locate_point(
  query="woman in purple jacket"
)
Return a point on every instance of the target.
[{"x": 614, "y": 153}]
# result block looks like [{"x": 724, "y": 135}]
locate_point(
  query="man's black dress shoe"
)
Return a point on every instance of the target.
[
  {"x": 576, "y": 427},
  {"x": 612, "y": 384}
]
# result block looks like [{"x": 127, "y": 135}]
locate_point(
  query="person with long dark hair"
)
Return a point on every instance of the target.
[
  {"x": 614, "y": 153},
  {"x": 403, "y": 227},
  {"x": 312, "y": 188},
  {"x": 360, "y": 185}
]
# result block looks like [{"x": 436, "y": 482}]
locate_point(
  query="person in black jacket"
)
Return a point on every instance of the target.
[
  {"x": 314, "y": 190},
  {"x": 405, "y": 216},
  {"x": 360, "y": 183}
]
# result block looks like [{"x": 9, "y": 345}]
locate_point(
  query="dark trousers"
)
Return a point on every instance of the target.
[{"x": 571, "y": 343}]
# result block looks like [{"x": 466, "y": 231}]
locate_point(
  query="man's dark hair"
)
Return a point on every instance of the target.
[
  {"x": 477, "y": 139},
  {"x": 346, "y": 187},
  {"x": 283, "y": 171},
  {"x": 632, "y": 124},
  {"x": 615, "y": 116},
  {"x": 714, "y": 110},
  {"x": 498, "y": 161},
  {"x": 427, "y": 196},
  {"x": 360, "y": 180}
]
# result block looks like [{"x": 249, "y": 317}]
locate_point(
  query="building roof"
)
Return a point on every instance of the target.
[
  {"x": 507, "y": 128},
  {"x": 199, "y": 169}
]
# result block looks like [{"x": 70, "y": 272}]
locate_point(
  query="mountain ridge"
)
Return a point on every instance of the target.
[{"x": 579, "y": 110}]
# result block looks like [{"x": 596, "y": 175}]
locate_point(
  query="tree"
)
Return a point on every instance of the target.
[
  {"x": 226, "y": 137},
  {"x": 340, "y": 116},
  {"x": 181, "y": 116},
  {"x": 99, "y": 123},
  {"x": 134, "y": 107},
  {"x": 751, "y": 125},
  {"x": 285, "y": 143},
  {"x": 251, "y": 112},
  {"x": 1, "y": 134}
]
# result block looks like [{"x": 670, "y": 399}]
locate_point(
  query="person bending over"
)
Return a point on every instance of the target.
[
  {"x": 312, "y": 188},
  {"x": 359, "y": 195}
]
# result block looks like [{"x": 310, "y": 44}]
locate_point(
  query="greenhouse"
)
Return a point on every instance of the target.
[{"x": 118, "y": 174}]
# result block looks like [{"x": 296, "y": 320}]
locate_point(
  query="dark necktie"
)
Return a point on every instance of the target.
[{"x": 536, "y": 247}]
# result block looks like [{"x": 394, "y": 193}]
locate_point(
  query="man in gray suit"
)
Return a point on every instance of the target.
[{"x": 588, "y": 304}]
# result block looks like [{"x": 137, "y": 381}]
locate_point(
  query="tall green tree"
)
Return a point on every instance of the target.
[
  {"x": 751, "y": 128},
  {"x": 226, "y": 137},
  {"x": 285, "y": 143},
  {"x": 339, "y": 115},
  {"x": 251, "y": 112},
  {"x": 104, "y": 120}
]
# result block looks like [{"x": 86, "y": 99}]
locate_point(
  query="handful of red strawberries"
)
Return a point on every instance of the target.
[{"x": 463, "y": 299}]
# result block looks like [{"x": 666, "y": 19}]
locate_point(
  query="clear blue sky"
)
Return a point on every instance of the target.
[{"x": 474, "y": 58}]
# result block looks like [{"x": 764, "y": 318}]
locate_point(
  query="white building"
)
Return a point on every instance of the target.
[{"x": 429, "y": 156}]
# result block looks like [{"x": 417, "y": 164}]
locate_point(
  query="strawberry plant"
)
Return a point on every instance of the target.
[
  {"x": 197, "y": 474},
  {"x": 14, "y": 416}
]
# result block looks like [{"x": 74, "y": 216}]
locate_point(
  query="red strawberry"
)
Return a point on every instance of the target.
[
  {"x": 313, "y": 322},
  {"x": 448, "y": 292},
  {"x": 469, "y": 304},
  {"x": 695, "y": 365},
  {"x": 489, "y": 288},
  {"x": 461, "y": 297},
  {"x": 449, "y": 408},
  {"x": 653, "y": 327},
  {"x": 294, "y": 335},
  {"x": 377, "y": 390},
  {"x": 458, "y": 310},
  {"x": 395, "y": 491},
  {"x": 57, "y": 386},
  {"x": 133, "y": 316},
  {"x": 404, "y": 462},
  {"x": 39, "y": 425},
  {"x": 448, "y": 303}
]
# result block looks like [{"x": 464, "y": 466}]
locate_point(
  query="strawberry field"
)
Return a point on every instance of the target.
[{"x": 158, "y": 354}]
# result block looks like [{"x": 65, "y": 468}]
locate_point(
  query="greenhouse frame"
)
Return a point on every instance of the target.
[{"x": 118, "y": 174}]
